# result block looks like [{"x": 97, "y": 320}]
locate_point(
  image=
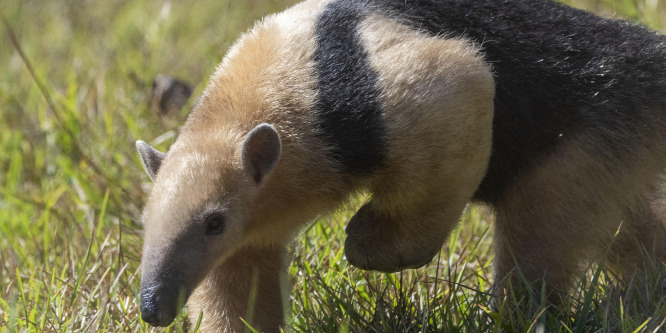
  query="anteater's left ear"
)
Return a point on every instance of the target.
[
  {"x": 151, "y": 158},
  {"x": 261, "y": 151}
]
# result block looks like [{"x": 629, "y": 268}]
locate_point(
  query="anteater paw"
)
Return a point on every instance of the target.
[{"x": 378, "y": 244}]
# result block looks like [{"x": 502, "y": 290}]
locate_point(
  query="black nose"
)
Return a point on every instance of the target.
[{"x": 149, "y": 312}]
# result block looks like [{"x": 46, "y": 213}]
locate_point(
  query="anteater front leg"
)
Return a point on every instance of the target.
[
  {"x": 247, "y": 285},
  {"x": 437, "y": 110},
  {"x": 389, "y": 237},
  {"x": 377, "y": 241}
]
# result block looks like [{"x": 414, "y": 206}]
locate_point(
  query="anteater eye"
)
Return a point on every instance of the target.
[{"x": 214, "y": 224}]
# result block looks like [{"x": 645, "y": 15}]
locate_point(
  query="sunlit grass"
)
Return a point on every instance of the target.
[{"x": 71, "y": 188}]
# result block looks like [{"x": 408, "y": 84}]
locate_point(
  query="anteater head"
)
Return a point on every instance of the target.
[{"x": 199, "y": 211}]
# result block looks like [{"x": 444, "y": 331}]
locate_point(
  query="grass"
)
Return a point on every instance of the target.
[{"x": 71, "y": 189}]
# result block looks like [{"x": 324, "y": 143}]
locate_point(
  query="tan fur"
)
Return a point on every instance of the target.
[{"x": 268, "y": 77}]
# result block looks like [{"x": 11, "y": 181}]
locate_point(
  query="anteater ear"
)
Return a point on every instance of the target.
[
  {"x": 151, "y": 158},
  {"x": 261, "y": 151}
]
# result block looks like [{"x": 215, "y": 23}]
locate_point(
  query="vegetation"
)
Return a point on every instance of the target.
[{"x": 74, "y": 96}]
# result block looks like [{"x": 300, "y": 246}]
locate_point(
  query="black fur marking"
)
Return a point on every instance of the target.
[
  {"x": 348, "y": 108},
  {"x": 560, "y": 73}
]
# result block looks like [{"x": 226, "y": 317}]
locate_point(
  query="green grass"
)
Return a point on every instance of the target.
[{"x": 71, "y": 188}]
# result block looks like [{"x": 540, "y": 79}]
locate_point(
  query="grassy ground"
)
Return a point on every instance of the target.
[{"x": 71, "y": 188}]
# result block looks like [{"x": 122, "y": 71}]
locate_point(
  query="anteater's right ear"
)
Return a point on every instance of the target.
[
  {"x": 261, "y": 152},
  {"x": 151, "y": 158}
]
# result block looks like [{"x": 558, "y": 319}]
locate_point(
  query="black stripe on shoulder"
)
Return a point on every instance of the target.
[{"x": 348, "y": 108}]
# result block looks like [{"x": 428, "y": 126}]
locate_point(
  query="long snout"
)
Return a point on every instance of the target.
[{"x": 171, "y": 268}]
